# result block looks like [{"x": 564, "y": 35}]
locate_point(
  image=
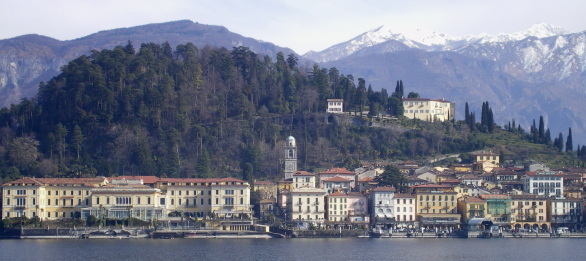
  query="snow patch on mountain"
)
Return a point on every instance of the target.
[{"x": 428, "y": 40}]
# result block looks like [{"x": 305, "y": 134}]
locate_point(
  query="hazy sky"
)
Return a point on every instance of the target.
[{"x": 302, "y": 25}]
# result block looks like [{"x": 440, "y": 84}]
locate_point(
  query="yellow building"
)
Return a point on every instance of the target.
[
  {"x": 428, "y": 109},
  {"x": 48, "y": 198},
  {"x": 529, "y": 212},
  {"x": 436, "y": 205},
  {"x": 126, "y": 198},
  {"x": 472, "y": 207},
  {"x": 489, "y": 156},
  {"x": 225, "y": 200}
]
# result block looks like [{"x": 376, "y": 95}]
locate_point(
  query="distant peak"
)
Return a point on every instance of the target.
[{"x": 542, "y": 30}]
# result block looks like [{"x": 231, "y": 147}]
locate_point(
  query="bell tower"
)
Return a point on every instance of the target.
[{"x": 290, "y": 157}]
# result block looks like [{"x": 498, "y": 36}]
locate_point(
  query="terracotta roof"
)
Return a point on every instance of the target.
[
  {"x": 145, "y": 179},
  {"x": 474, "y": 200},
  {"x": 337, "y": 194},
  {"x": 367, "y": 179},
  {"x": 387, "y": 189},
  {"x": 57, "y": 181},
  {"x": 337, "y": 179},
  {"x": 355, "y": 194},
  {"x": 402, "y": 195},
  {"x": 337, "y": 171},
  {"x": 24, "y": 181},
  {"x": 494, "y": 196},
  {"x": 199, "y": 180},
  {"x": 302, "y": 173}
]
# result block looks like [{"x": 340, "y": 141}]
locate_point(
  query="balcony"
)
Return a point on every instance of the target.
[{"x": 527, "y": 219}]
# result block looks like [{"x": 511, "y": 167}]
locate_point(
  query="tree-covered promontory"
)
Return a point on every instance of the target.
[{"x": 205, "y": 112}]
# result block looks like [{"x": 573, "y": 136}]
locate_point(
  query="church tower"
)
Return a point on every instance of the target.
[{"x": 290, "y": 157}]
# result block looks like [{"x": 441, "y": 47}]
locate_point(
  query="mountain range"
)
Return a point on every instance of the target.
[
  {"x": 524, "y": 75},
  {"x": 540, "y": 71},
  {"x": 29, "y": 59}
]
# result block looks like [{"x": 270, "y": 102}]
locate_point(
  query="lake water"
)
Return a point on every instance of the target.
[{"x": 294, "y": 249}]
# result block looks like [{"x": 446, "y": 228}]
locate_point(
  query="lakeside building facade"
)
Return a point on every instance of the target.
[
  {"x": 124, "y": 197},
  {"x": 429, "y": 109},
  {"x": 544, "y": 183},
  {"x": 335, "y": 106}
]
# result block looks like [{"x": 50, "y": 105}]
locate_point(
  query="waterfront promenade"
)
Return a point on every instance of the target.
[{"x": 140, "y": 232}]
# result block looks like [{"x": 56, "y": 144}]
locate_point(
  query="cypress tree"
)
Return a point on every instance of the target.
[
  {"x": 490, "y": 120},
  {"x": 466, "y": 113},
  {"x": 541, "y": 130},
  {"x": 547, "y": 138},
  {"x": 560, "y": 143},
  {"x": 569, "y": 142}
]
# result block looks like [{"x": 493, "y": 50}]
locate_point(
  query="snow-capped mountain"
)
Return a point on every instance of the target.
[
  {"x": 537, "y": 72},
  {"x": 426, "y": 40}
]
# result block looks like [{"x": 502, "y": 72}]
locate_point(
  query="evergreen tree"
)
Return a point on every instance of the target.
[
  {"x": 541, "y": 132},
  {"x": 569, "y": 144},
  {"x": 560, "y": 142},
  {"x": 76, "y": 140},
  {"x": 392, "y": 176},
  {"x": 203, "y": 164},
  {"x": 490, "y": 120},
  {"x": 466, "y": 113},
  {"x": 547, "y": 138}
]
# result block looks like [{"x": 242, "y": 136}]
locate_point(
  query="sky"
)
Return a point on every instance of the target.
[{"x": 301, "y": 25}]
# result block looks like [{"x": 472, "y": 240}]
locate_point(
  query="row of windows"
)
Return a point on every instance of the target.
[
  {"x": 227, "y": 201},
  {"x": 20, "y": 192},
  {"x": 547, "y": 184},
  {"x": 433, "y": 198},
  {"x": 308, "y": 201},
  {"x": 547, "y": 178},
  {"x": 336, "y": 213},
  {"x": 433, "y": 203},
  {"x": 404, "y": 218},
  {"x": 404, "y": 201},
  {"x": 335, "y": 200},
  {"x": 201, "y": 192},
  {"x": 308, "y": 209},
  {"x": 64, "y": 202}
]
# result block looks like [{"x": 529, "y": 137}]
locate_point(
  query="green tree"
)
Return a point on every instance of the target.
[
  {"x": 76, "y": 140},
  {"x": 569, "y": 141},
  {"x": 203, "y": 164},
  {"x": 413, "y": 95},
  {"x": 392, "y": 176}
]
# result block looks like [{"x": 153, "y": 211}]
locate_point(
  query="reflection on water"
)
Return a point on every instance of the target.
[{"x": 294, "y": 249}]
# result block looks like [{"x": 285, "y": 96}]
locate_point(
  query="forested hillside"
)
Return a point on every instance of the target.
[{"x": 208, "y": 112}]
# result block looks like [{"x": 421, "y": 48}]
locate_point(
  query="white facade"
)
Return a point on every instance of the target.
[
  {"x": 335, "y": 106},
  {"x": 303, "y": 179},
  {"x": 404, "y": 208},
  {"x": 566, "y": 213},
  {"x": 290, "y": 157},
  {"x": 544, "y": 183},
  {"x": 382, "y": 205},
  {"x": 428, "y": 109},
  {"x": 306, "y": 205}
]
